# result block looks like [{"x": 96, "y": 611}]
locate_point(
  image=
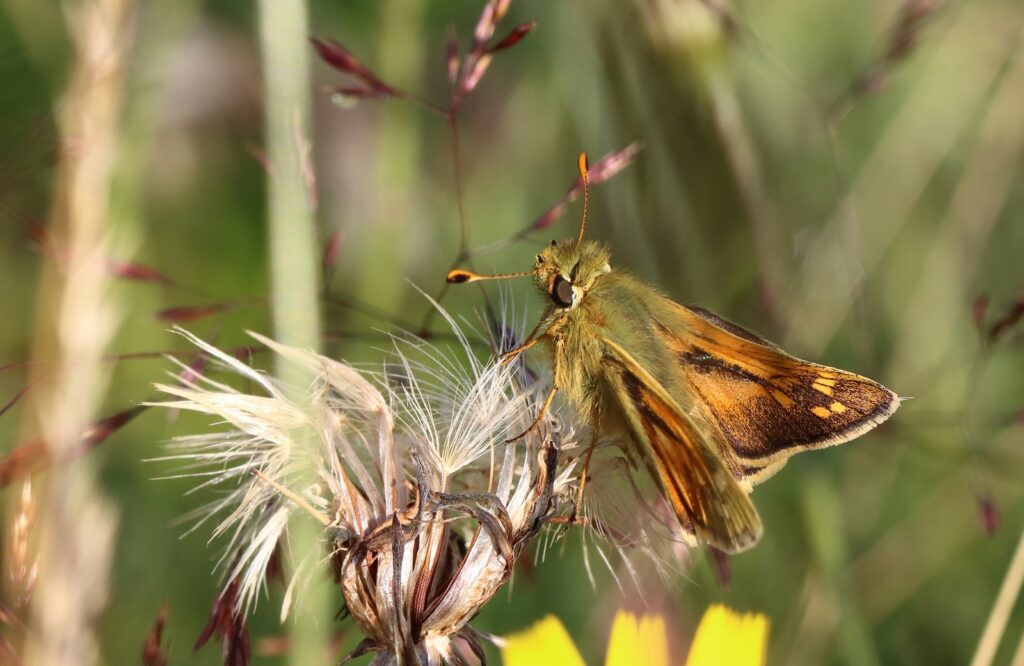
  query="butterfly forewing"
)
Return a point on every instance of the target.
[
  {"x": 769, "y": 405},
  {"x": 696, "y": 481}
]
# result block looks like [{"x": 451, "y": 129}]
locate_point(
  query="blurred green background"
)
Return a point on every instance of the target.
[{"x": 793, "y": 179}]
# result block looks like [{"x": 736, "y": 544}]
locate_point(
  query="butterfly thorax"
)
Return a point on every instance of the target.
[{"x": 589, "y": 303}]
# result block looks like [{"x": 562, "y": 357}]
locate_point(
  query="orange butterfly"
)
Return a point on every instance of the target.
[{"x": 712, "y": 407}]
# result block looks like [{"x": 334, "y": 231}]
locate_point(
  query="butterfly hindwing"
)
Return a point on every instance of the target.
[{"x": 697, "y": 482}]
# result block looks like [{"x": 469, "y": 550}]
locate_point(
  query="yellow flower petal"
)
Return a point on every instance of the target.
[
  {"x": 546, "y": 642},
  {"x": 637, "y": 642},
  {"x": 653, "y": 640},
  {"x": 725, "y": 637},
  {"x": 623, "y": 640}
]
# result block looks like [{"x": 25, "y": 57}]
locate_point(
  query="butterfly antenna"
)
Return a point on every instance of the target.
[
  {"x": 459, "y": 276},
  {"x": 586, "y": 193}
]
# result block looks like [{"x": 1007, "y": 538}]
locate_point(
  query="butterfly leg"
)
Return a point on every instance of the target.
[
  {"x": 540, "y": 415},
  {"x": 513, "y": 354},
  {"x": 584, "y": 473},
  {"x": 551, "y": 394},
  {"x": 531, "y": 340}
]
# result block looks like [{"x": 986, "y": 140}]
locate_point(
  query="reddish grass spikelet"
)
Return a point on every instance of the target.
[
  {"x": 193, "y": 372},
  {"x": 451, "y": 56},
  {"x": 340, "y": 58},
  {"x": 101, "y": 430},
  {"x": 153, "y": 653},
  {"x": 549, "y": 216},
  {"x": 186, "y": 313},
  {"x": 476, "y": 72},
  {"x": 329, "y": 257},
  {"x": 190, "y": 374},
  {"x": 228, "y": 624},
  {"x": 464, "y": 73},
  {"x": 24, "y": 459},
  {"x": 136, "y": 272},
  {"x": 29, "y": 457},
  {"x": 43, "y": 241},
  {"x": 979, "y": 308},
  {"x": 904, "y": 37},
  {"x": 988, "y": 515},
  {"x": 604, "y": 169},
  {"x": 38, "y": 235},
  {"x": 275, "y": 566},
  {"x": 244, "y": 354},
  {"x": 913, "y": 16},
  {"x": 1012, "y": 317},
  {"x": 514, "y": 37},
  {"x": 479, "y": 58},
  {"x": 490, "y": 16},
  {"x": 611, "y": 164}
]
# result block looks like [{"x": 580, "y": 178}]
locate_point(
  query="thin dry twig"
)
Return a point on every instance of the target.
[{"x": 992, "y": 634}]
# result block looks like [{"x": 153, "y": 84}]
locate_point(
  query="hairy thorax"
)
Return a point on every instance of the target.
[{"x": 578, "y": 370}]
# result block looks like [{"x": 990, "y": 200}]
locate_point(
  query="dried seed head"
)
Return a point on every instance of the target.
[{"x": 425, "y": 509}]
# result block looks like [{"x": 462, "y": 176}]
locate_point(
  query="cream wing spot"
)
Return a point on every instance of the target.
[
  {"x": 782, "y": 398},
  {"x": 821, "y": 412}
]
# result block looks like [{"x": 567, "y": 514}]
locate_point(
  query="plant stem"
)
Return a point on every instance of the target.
[
  {"x": 294, "y": 278},
  {"x": 77, "y": 319},
  {"x": 1000, "y": 615}
]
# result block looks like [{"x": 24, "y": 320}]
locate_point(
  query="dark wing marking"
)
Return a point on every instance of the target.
[{"x": 698, "y": 484}]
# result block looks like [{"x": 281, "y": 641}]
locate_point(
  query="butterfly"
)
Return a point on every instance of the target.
[{"x": 712, "y": 408}]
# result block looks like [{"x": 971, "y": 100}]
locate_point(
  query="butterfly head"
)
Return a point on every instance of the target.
[{"x": 567, "y": 270}]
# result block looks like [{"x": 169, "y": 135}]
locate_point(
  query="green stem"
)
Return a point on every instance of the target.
[{"x": 294, "y": 292}]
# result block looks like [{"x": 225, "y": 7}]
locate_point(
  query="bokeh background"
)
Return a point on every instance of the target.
[{"x": 843, "y": 177}]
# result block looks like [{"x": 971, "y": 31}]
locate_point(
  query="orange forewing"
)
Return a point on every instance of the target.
[{"x": 768, "y": 404}]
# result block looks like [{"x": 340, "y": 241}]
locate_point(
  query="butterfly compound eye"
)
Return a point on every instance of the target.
[{"x": 561, "y": 292}]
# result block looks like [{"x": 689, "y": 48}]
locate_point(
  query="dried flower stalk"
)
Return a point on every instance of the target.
[{"x": 76, "y": 524}]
